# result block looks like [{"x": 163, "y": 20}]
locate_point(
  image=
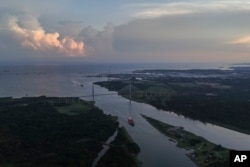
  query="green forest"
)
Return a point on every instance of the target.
[
  {"x": 223, "y": 101},
  {"x": 51, "y": 132}
]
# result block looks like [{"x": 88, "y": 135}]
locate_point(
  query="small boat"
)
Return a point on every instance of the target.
[
  {"x": 131, "y": 121},
  {"x": 81, "y": 85}
]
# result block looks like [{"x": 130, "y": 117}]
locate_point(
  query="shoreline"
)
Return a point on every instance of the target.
[
  {"x": 122, "y": 146},
  {"x": 49, "y": 130},
  {"x": 202, "y": 152},
  {"x": 138, "y": 98}
]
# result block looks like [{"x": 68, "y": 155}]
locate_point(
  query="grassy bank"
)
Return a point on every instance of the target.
[
  {"x": 201, "y": 151},
  {"x": 215, "y": 102},
  {"x": 122, "y": 152}
]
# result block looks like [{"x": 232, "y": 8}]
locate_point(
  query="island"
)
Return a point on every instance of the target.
[
  {"x": 56, "y": 132},
  {"x": 200, "y": 151}
]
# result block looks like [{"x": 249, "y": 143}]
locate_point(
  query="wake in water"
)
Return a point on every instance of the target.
[{"x": 76, "y": 83}]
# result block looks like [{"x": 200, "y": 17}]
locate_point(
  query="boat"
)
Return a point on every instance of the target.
[{"x": 131, "y": 121}]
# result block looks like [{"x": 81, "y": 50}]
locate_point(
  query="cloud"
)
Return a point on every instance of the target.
[
  {"x": 98, "y": 42},
  {"x": 34, "y": 36},
  {"x": 26, "y": 31},
  {"x": 151, "y": 10},
  {"x": 192, "y": 37},
  {"x": 66, "y": 27},
  {"x": 173, "y": 31},
  {"x": 241, "y": 41}
]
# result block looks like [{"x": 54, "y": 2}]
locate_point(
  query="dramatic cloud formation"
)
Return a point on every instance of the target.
[
  {"x": 27, "y": 30},
  {"x": 98, "y": 42},
  {"x": 183, "y": 30}
]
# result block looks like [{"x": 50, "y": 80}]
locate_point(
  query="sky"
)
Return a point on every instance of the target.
[{"x": 125, "y": 31}]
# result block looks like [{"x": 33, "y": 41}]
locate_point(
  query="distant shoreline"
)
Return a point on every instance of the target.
[{"x": 210, "y": 96}]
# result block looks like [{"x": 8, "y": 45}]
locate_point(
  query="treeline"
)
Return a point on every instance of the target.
[
  {"x": 122, "y": 153},
  {"x": 224, "y": 101},
  {"x": 35, "y": 134}
]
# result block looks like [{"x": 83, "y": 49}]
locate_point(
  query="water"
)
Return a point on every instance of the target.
[
  {"x": 60, "y": 80},
  {"x": 156, "y": 149}
]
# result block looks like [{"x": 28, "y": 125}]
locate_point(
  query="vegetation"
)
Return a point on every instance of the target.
[
  {"x": 204, "y": 153},
  {"x": 50, "y": 131},
  {"x": 224, "y": 100},
  {"x": 122, "y": 152}
]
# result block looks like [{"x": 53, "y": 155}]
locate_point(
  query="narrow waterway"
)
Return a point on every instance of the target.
[
  {"x": 115, "y": 104},
  {"x": 156, "y": 149}
]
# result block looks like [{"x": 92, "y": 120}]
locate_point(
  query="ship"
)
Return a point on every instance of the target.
[{"x": 131, "y": 121}]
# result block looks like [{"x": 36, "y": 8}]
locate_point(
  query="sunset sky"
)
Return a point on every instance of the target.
[{"x": 125, "y": 30}]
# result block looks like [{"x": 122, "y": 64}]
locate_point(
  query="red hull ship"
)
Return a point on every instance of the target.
[{"x": 130, "y": 121}]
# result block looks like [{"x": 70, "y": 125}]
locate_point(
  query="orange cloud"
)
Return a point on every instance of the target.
[
  {"x": 243, "y": 40},
  {"x": 38, "y": 39}
]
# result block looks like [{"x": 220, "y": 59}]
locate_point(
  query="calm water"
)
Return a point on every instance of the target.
[{"x": 156, "y": 149}]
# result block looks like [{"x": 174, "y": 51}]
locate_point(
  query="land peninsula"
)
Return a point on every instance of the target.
[
  {"x": 56, "y": 132},
  {"x": 221, "y": 97},
  {"x": 200, "y": 151}
]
